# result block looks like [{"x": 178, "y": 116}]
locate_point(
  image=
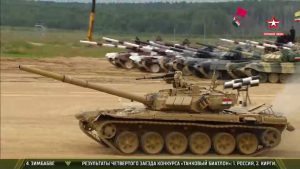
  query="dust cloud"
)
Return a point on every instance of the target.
[{"x": 288, "y": 100}]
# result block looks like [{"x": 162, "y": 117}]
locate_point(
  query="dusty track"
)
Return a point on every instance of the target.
[{"x": 37, "y": 114}]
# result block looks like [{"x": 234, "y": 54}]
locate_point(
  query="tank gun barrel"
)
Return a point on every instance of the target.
[
  {"x": 85, "y": 84},
  {"x": 285, "y": 46},
  {"x": 275, "y": 43},
  {"x": 246, "y": 54},
  {"x": 276, "y": 47},
  {"x": 186, "y": 47},
  {"x": 104, "y": 44},
  {"x": 268, "y": 45},
  {"x": 177, "y": 46},
  {"x": 162, "y": 49},
  {"x": 173, "y": 49},
  {"x": 110, "y": 45},
  {"x": 125, "y": 43},
  {"x": 177, "y": 50},
  {"x": 148, "y": 48},
  {"x": 152, "y": 46},
  {"x": 167, "y": 76},
  {"x": 243, "y": 43},
  {"x": 233, "y": 41},
  {"x": 151, "y": 43}
]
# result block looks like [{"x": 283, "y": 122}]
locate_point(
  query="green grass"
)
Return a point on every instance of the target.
[
  {"x": 34, "y": 43},
  {"x": 28, "y": 42}
]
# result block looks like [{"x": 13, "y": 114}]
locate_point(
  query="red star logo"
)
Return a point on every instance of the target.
[{"x": 273, "y": 23}]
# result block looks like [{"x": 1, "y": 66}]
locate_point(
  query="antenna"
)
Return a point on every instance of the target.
[
  {"x": 242, "y": 85},
  {"x": 213, "y": 84}
]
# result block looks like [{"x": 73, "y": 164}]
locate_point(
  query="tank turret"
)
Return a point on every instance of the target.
[
  {"x": 183, "y": 96},
  {"x": 246, "y": 55},
  {"x": 280, "y": 56}
]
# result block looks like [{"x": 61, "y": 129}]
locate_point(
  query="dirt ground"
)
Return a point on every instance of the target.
[{"x": 37, "y": 113}]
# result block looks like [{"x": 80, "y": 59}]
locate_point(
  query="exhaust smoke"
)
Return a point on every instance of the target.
[{"x": 288, "y": 100}]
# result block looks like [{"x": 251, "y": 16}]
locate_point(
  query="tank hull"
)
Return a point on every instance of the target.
[
  {"x": 273, "y": 72},
  {"x": 108, "y": 127}
]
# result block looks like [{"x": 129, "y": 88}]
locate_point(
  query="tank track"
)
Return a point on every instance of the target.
[
  {"x": 100, "y": 138},
  {"x": 269, "y": 77},
  {"x": 229, "y": 71}
]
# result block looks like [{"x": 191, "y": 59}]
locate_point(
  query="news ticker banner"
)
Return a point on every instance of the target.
[{"x": 146, "y": 163}]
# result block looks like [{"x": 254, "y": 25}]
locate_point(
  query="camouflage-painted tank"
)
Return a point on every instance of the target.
[
  {"x": 184, "y": 118},
  {"x": 203, "y": 62},
  {"x": 275, "y": 67},
  {"x": 118, "y": 59},
  {"x": 121, "y": 59},
  {"x": 150, "y": 58},
  {"x": 226, "y": 63}
]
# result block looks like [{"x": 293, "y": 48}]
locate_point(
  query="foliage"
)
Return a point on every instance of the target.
[{"x": 187, "y": 19}]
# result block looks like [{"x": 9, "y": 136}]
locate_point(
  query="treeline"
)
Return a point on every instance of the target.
[{"x": 163, "y": 18}]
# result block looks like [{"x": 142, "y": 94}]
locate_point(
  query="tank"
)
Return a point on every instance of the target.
[
  {"x": 226, "y": 63},
  {"x": 184, "y": 118},
  {"x": 150, "y": 57},
  {"x": 275, "y": 67},
  {"x": 163, "y": 56},
  {"x": 122, "y": 59},
  {"x": 201, "y": 62},
  {"x": 119, "y": 59}
]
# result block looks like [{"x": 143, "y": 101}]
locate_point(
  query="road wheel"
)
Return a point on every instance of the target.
[
  {"x": 271, "y": 137},
  {"x": 224, "y": 143},
  {"x": 176, "y": 143},
  {"x": 129, "y": 64},
  {"x": 112, "y": 61},
  {"x": 199, "y": 143},
  {"x": 249, "y": 72},
  {"x": 247, "y": 143},
  {"x": 283, "y": 78},
  {"x": 154, "y": 68},
  {"x": 273, "y": 78},
  {"x": 108, "y": 131},
  {"x": 263, "y": 77},
  {"x": 152, "y": 143},
  {"x": 127, "y": 142},
  {"x": 178, "y": 66}
]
